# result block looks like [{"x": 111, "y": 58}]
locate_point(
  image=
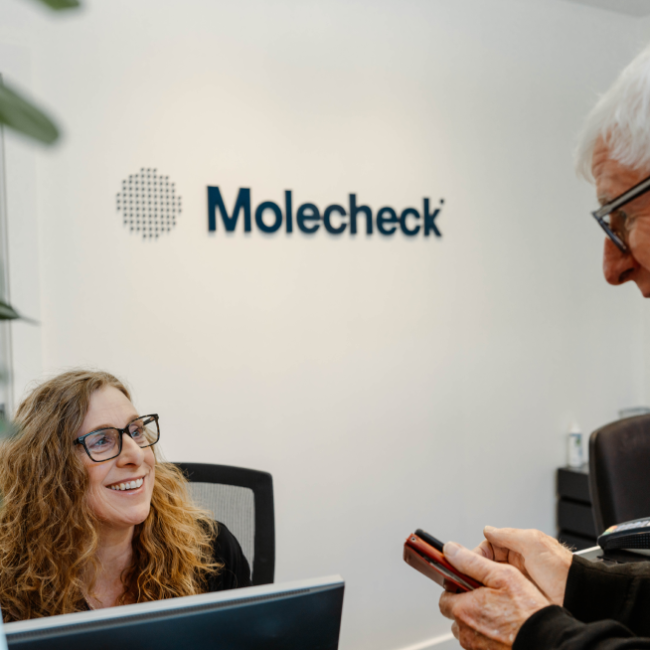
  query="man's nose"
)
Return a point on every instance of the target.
[{"x": 618, "y": 267}]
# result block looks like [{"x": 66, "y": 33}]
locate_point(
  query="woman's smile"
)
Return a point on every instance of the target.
[{"x": 131, "y": 486}]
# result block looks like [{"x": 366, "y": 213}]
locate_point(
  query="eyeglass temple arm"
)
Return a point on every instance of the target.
[{"x": 632, "y": 193}]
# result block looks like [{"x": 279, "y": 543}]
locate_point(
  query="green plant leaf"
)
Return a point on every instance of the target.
[
  {"x": 61, "y": 4},
  {"x": 7, "y": 312},
  {"x": 18, "y": 114}
]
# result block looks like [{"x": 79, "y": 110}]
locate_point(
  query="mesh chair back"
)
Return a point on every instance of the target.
[
  {"x": 243, "y": 500},
  {"x": 619, "y": 471}
]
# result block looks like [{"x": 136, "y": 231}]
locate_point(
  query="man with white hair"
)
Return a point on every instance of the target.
[{"x": 537, "y": 595}]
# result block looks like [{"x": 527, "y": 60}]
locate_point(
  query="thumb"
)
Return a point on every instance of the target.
[
  {"x": 472, "y": 564},
  {"x": 512, "y": 539}
]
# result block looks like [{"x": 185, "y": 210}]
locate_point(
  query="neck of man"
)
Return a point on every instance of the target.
[{"x": 114, "y": 555}]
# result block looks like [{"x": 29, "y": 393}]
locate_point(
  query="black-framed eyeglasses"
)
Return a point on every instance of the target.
[
  {"x": 104, "y": 444},
  {"x": 604, "y": 213}
]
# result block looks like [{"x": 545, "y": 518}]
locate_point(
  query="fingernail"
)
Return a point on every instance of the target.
[
  {"x": 490, "y": 529},
  {"x": 450, "y": 549}
]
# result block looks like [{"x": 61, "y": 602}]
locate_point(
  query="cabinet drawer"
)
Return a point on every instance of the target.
[
  {"x": 576, "y": 518},
  {"x": 573, "y": 484}
]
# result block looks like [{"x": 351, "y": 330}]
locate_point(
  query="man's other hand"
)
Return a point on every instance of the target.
[
  {"x": 539, "y": 557},
  {"x": 489, "y": 617}
]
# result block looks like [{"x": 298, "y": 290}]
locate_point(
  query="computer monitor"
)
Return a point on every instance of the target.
[{"x": 289, "y": 616}]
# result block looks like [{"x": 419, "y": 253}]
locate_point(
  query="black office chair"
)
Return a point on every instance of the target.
[
  {"x": 243, "y": 500},
  {"x": 619, "y": 471}
]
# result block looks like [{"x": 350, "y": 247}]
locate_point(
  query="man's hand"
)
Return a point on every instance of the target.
[
  {"x": 539, "y": 557},
  {"x": 489, "y": 617}
]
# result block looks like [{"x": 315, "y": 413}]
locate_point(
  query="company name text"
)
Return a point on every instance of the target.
[{"x": 269, "y": 217}]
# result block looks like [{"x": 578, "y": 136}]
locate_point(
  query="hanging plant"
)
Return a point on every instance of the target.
[{"x": 19, "y": 114}]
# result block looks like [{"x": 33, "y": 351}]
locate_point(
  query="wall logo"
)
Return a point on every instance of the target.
[
  {"x": 148, "y": 203},
  {"x": 335, "y": 219}
]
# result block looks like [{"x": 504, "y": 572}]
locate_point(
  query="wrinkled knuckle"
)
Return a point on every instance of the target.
[
  {"x": 509, "y": 573},
  {"x": 467, "y": 638},
  {"x": 448, "y": 605},
  {"x": 508, "y": 570},
  {"x": 454, "y": 611},
  {"x": 459, "y": 611}
]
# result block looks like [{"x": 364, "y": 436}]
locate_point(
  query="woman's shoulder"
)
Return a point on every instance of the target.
[{"x": 227, "y": 550}]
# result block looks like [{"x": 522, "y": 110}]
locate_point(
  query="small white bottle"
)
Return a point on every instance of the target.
[{"x": 574, "y": 446}]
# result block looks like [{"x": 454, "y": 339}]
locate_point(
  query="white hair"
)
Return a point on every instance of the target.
[{"x": 622, "y": 119}]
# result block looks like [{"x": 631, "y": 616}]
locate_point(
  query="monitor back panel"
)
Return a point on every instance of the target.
[{"x": 293, "y": 622}]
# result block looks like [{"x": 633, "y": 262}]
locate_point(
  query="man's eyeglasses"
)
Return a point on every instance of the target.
[
  {"x": 104, "y": 444},
  {"x": 604, "y": 214}
]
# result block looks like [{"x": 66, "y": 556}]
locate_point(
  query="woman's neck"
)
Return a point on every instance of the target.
[{"x": 114, "y": 555}]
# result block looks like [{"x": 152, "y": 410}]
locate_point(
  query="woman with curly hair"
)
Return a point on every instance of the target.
[{"x": 90, "y": 517}]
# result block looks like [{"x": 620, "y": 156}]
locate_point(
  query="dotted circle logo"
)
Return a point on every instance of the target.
[{"x": 148, "y": 203}]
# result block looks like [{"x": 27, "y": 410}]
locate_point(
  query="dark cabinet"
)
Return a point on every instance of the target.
[{"x": 575, "y": 519}]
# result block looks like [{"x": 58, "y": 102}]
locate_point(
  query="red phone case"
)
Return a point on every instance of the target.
[{"x": 432, "y": 563}]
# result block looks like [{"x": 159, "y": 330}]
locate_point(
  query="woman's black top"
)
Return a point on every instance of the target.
[
  {"x": 605, "y": 608},
  {"x": 227, "y": 551}
]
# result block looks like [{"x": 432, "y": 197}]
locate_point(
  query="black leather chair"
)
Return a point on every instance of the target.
[
  {"x": 619, "y": 471},
  {"x": 243, "y": 500}
]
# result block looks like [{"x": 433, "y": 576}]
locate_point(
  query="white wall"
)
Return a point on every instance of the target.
[{"x": 386, "y": 383}]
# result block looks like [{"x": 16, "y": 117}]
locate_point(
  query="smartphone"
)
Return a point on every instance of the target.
[
  {"x": 424, "y": 553},
  {"x": 430, "y": 540}
]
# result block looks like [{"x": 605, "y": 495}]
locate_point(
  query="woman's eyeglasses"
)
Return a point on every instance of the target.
[{"x": 105, "y": 444}]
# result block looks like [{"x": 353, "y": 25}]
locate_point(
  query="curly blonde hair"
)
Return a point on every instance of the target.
[{"x": 48, "y": 534}]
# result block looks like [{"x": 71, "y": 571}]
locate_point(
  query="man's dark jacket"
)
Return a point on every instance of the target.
[{"x": 605, "y": 608}]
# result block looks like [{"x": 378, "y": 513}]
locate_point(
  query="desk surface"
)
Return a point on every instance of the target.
[
  {"x": 596, "y": 554},
  {"x": 593, "y": 554}
]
